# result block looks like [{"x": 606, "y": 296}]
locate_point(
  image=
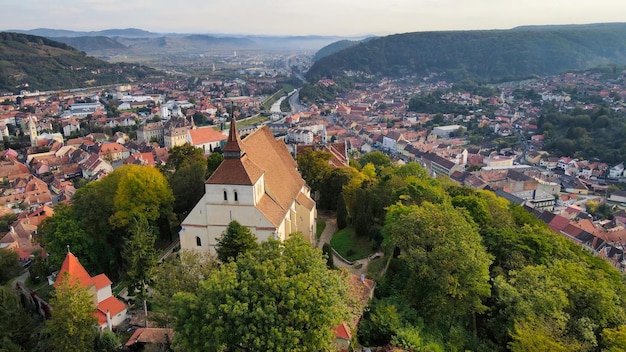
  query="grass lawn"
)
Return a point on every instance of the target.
[
  {"x": 349, "y": 246},
  {"x": 321, "y": 225},
  {"x": 375, "y": 266},
  {"x": 252, "y": 121}
]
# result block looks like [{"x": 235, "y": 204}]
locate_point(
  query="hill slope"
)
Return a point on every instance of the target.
[
  {"x": 90, "y": 43},
  {"x": 43, "y": 64},
  {"x": 486, "y": 54},
  {"x": 336, "y": 47}
]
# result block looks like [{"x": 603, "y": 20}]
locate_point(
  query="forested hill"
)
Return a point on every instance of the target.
[
  {"x": 337, "y": 46},
  {"x": 496, "y": 54},
  {"x": 37, "y": 63}
]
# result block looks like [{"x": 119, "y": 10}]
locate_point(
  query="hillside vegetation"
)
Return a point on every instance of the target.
[
  {"x": 336, "y": 47},
  {"x": 38, "y": 63},
  {"x": 493, "y": 55},
  {"x": 467, "y": 269}
]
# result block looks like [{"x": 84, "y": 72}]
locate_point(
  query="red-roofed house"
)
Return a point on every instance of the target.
[
  {"x": 342, "y": 337},
  {"x": 206, "y": 138},
  {"x": 109, "y": 310}
]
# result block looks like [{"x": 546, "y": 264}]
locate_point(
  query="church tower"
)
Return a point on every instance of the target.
[{"x": 32, "y": 128}]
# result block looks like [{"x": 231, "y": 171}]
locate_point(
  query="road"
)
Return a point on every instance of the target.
[{"x": 294, "y": 102}]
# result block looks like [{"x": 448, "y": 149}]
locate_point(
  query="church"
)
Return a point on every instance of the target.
[{"x": 259, "y": 186}]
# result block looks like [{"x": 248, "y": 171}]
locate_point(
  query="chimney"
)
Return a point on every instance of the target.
[
  {"x": 109, "y": 326},
  {"x": 363, "y": 278}
]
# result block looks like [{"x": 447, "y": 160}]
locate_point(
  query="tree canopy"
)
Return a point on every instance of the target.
[
  {"x": 98, "y": 223},
  {"x": 279, "y": 297},
  {"x": 72, "y": 325},
  {"x": 234, "y": 241}
]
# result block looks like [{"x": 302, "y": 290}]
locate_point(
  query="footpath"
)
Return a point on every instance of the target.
[{"x": 357, "y": 267}]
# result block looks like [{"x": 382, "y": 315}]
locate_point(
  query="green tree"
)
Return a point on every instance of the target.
[
  {"x": 107, "y": 341},
  {"x": 141, "y": 190},
  {"x": 449, "y": 265},
  {"x": 378, "y": 159},
  {"x": 39, "y": 269},
  {"x": 342, "y": 213},
  {"x": 72, "y": 325},
  {"x": 314, "y": 167},
  {"x": 614, "y": 339},
  {"x": 280, "y": 297},
  {"x": 235, "y": 240},
  {"x": 65, "y": 229},
  {"x": 10, "y": 264},
  {"x": 179, "y": 154},
  {"x": 213, "y": 161},
  {"x": 180, "y": 273},
  {"x": 328, "y": 253},
  {"x": 141, "y": 256},
  {"x": 187, "y": 184},
  {"x": 18, "y": 327},
  {"x": 6, "y": 220}
]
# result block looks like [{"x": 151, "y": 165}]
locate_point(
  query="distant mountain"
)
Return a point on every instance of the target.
[
  {"x": 140, "y": 43},
  {"x": 88, "y": 44},
  {"x": 39, "y": 63},
  {"x": 497, "y": 54},
  {"x": 55, "y": 33},
  {"x": 336, "y": 47}
]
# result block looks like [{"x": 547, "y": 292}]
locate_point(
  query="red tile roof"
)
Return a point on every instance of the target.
[
  {"x": 101, "y": 281},
  {"x": 343, "y": 332},
  {"x": 205, "y": 135},
  {"x": 111, "y": 304},
  {"x": 77, "y": 273},
  {"x": 151, "y": 335}
]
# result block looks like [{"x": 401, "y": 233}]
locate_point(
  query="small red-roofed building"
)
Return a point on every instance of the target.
[
  {"x": 151, "y": 336},
  {"x": 342, "y": 337},
  {"x": 109, "y": 311},
  {"x": 206, "y": 138}
]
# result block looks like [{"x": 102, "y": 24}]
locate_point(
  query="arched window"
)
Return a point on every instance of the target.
[
  {"x": 225, "y": 195},
  {"x": 198, "y": 241},
  {"x": 236, "y": 199}
]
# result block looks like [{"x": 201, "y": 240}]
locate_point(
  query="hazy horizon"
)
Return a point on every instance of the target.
[{"x": 297, "y": 17}]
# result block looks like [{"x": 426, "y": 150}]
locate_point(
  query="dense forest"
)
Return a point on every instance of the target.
[
  {"x": 496, "y": 54},
  {"x": 586, "y": 134},
  {"x": 336, "y": 47},
  {"x": 469, "y": 270},
  {"x": 37, "y": 63}
]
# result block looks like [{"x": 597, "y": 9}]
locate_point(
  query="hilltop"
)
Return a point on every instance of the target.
[
  {"x": 38, "y": 63},
  {"x": 490, "y": 55}
]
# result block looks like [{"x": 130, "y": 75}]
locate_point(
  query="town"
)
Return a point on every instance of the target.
[{"x": 486, "y": 137}]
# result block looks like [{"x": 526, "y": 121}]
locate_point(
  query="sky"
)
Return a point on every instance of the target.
[{"x": 304, "y": 17}]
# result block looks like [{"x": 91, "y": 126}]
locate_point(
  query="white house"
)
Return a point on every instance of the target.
[
  {"x": 109, "y": 310},
  {"x": 616, "y": 171},
  {"x": 206, "y": 138},
  {"x": 257, "y": 185}
]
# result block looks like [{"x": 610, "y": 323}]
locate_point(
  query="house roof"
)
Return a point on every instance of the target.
[
  {"x": 101, "y": 281},
  {"x": 236, "y": 172},
  {"x": 151, "y": 335},
  {"x": 205, "y": 135},
  {"x": 77, "y": 273},
  {"x": 261, "y": 154},
  {"x": 113, "y": 305},
  {"x": 343, "y": 332}
]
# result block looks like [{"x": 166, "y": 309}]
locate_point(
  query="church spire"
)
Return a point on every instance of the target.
[{"x": 233, "y": 148}]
